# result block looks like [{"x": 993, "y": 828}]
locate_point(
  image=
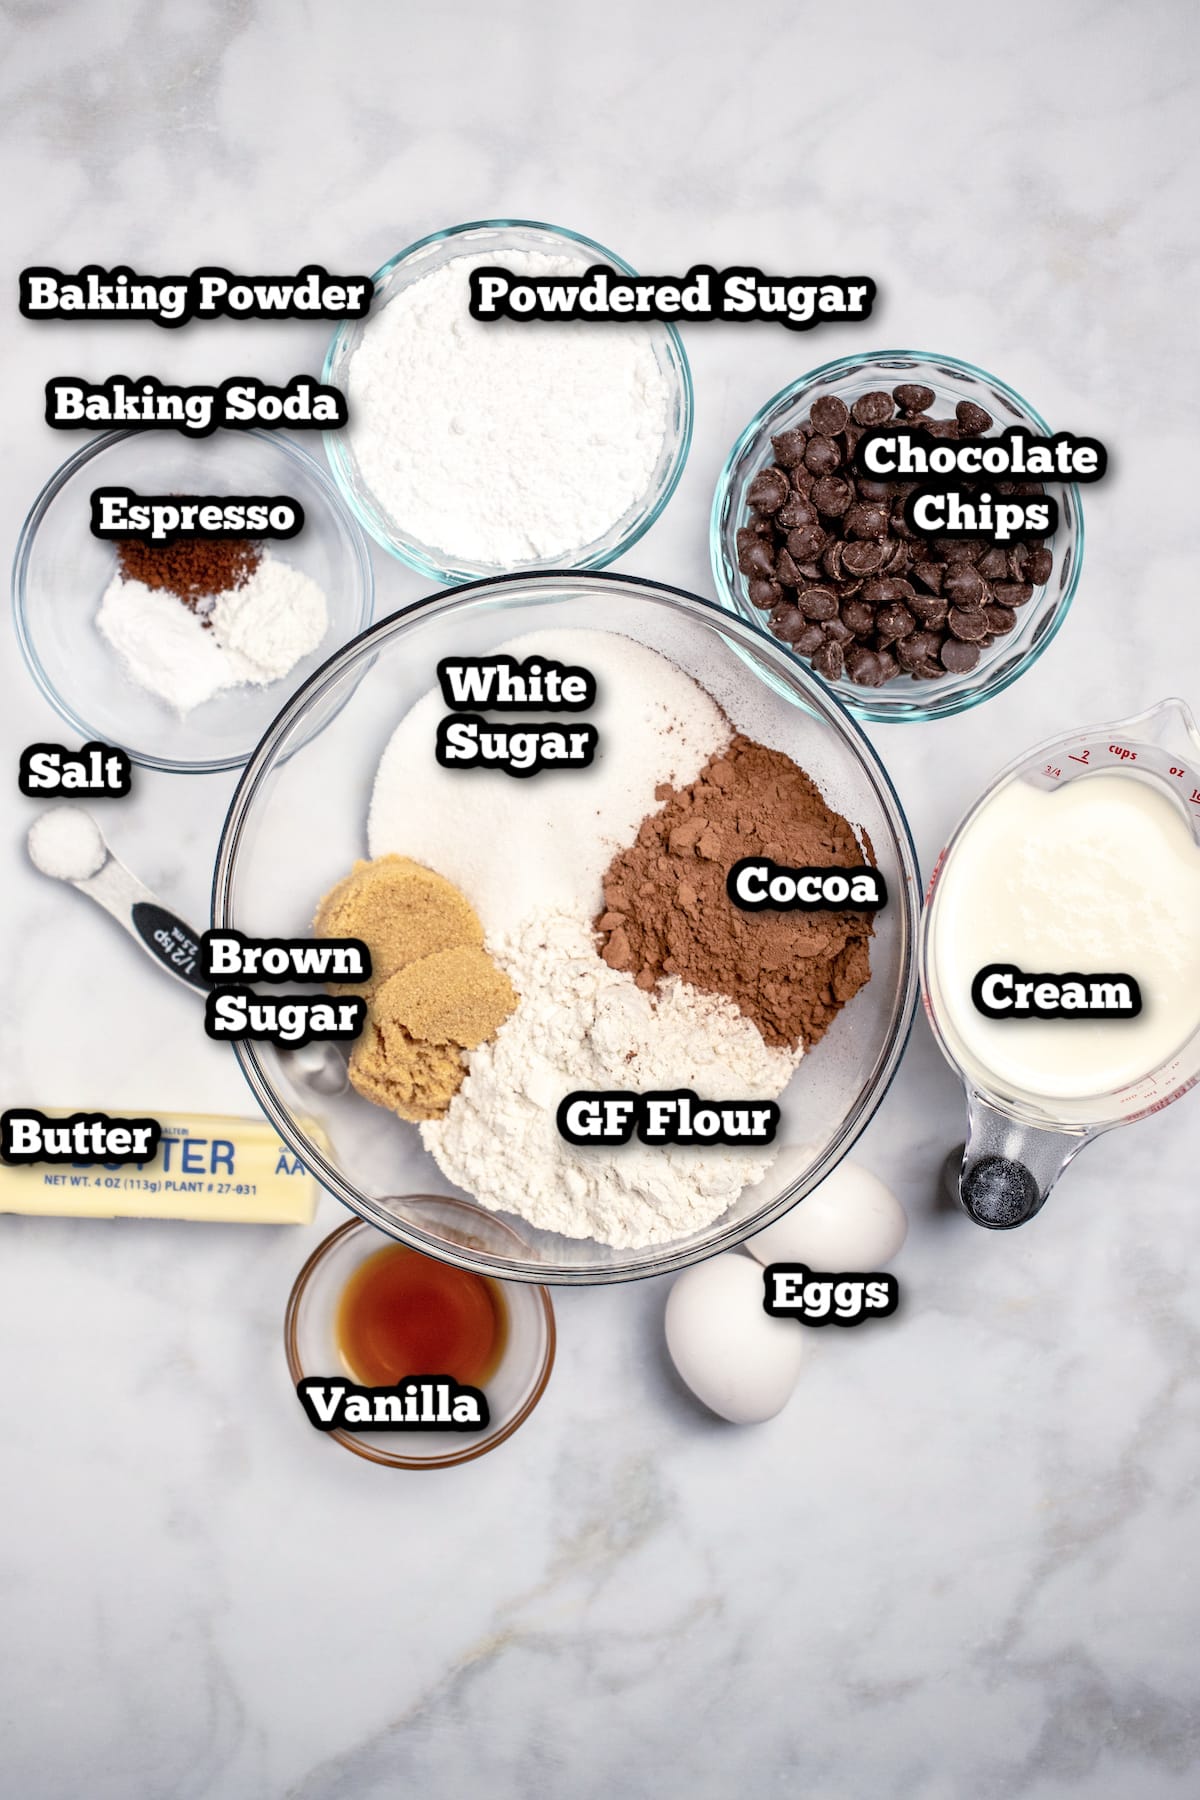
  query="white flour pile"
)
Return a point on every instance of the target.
[
  {"x": 515, "y": 847},
  {"x": 252, "y": 634},
  {"x": 503, "y": 444},
  {"x": 583, "y": 1025}
]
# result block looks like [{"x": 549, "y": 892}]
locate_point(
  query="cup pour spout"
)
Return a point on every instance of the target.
[{"x": 1008, "y": 1167}]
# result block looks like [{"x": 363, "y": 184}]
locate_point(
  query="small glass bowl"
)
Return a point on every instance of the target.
[
  {"x": 512, "y": 1392},
  {"x": 61, "y": 571},
  {"x": 952, "y": 380},
  {"x": 434, "y": 252}
]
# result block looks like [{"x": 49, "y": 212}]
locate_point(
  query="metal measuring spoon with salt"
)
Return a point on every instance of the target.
[{"x": 66, "y": 844}]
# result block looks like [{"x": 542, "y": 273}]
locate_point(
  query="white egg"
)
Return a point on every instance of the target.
[
  {"x": 852, "y": 1223},
  {"x": 735, "y": 1358}
]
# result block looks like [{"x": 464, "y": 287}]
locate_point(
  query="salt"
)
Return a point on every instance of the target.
[{"x": 66, "y": 843}]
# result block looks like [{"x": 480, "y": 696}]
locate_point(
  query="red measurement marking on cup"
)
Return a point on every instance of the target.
[
  {"x": 1125, "y": 754},
  {"x": 1082, "y": 757},
  {"x": 1051, "y": 770}
]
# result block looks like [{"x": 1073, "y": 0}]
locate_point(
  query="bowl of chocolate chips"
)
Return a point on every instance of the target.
[{"x": 913, "y": 594}]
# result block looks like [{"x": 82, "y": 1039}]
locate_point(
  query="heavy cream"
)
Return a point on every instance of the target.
[{"x": 1099, "y": 876}]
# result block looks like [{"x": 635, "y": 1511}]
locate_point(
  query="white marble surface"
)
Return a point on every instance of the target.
[{"x": 963, "y": 1562}]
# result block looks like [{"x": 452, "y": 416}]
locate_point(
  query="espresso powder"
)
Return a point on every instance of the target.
[
  {"x": 667, "y": 911},
  {"x": 193, "y": 568}
]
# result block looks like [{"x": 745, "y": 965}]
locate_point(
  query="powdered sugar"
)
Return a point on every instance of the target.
[
  {"x": 253, "y": 634},
  {"x": 503, "y": 444},
  {"x": 583, "y": 1025}
]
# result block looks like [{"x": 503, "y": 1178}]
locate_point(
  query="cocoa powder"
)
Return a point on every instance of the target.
[{"x": 667, "y": 911}]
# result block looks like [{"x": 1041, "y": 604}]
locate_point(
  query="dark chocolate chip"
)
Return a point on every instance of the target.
[
  {"x": 930, "y": 609},
  {"x": 787, "y": 571},
  {"x": 837, "y": 632},
  {"x": 1012, "y": 593},
  {"x": 789, "y": 446},
  {"x": 930, "y": 575},
  {"x": 828, "y": 661},
  {"x": 806, "y": 542},
  {"x": 757, "y": 558},
  {"x": 972, "y": 420},
  {"x": 913, "y": 398},
  {"x": 831, "y": 495},
  {"x": 862, "y": 665},
  {"x": 866, "y": 521},
  {"x": 967, "y": 623},
  {"x": 1038, "y": 565},
  {"x": 764, "y": 593},
  {"x": 768, "y": 490},
  {"x": 858, "y": 616},
  {"x": 958, "y": 657},
  {"x": 831, "y": 558},
  {"x": 893, "y": 622},
  {"x": 889, "y": 668},
  {"x": 916, "y": 648},
  {"x": 795, "y": 511},
  {"x": 829, "y": 414},
  {"x": 1000, "y": 619},
  {"x": 863, "y": 557},
  {"x": 817, "y": 602},
  {"x": 993, "y": 564},
  {"x": 873, "y": 408},
  {"x": 822, "y": 455},
  {"x": 964, "y": 585}
]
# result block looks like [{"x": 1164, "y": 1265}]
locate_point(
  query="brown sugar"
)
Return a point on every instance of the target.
[
  {"x": 667, "y": 911},
  {"x": 434, "y": 992},
  {"x": 401, "y": 911}
]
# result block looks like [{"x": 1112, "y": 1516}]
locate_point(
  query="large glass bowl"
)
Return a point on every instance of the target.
[
  {"x": 498, "y": 236},
  {"x": 60, "y": 573},
  {"x": 952, "y": 380},
  {"x": 298, "y": 821}
]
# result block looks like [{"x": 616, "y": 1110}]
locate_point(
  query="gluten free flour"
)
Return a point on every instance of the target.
[{"x": 503, "y": 444}]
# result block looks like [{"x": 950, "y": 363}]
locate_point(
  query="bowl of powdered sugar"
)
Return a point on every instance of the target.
[
  {"x": 182, "y": 649},
  {"x": 480, "y": 446},
  {"x": 541, "y": 875}
]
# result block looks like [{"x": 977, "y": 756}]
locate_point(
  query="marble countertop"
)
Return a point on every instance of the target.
[{"x": 962, "y": 1562}]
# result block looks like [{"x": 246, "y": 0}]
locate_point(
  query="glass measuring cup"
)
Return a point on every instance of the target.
[{"x": 1019, "y": 1143}]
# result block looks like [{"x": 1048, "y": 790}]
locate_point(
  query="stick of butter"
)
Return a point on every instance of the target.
[{"x": 228, "y": 1170}]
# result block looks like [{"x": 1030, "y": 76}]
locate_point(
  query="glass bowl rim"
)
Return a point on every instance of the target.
[
  {"x": 471, "y": 1449},
  {"x": 905, "y": 711},
  {"x": 650, "y": 1260},
  {"x": 337, "y": 453},
  {"x": 27, "y": 537}
]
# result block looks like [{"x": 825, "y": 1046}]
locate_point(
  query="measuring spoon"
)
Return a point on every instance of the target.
[{"x": 66, "y": 844}]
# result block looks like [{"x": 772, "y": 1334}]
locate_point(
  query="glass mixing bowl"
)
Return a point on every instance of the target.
[
  {"x": 61, "y": 571},
  {"x": 298, "y": 822},
  {"x": 496, "y": 236},
  {"x": 952, "y": 380}
]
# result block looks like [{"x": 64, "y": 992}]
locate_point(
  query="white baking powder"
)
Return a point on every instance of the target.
[
  {"x": 253, "y": 634},
  {"x": 514, "y": 847},
  {"x": 582, "y": 1025},
  {"x": 503, "y": 443}
]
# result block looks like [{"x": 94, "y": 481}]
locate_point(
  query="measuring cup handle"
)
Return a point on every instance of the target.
[{"x": 1008, "y": 1167}]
